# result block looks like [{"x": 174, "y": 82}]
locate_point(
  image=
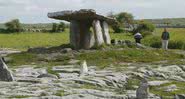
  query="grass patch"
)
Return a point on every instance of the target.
[
  {"x": 20, "y": 96},
  {"x": 22, "y": 59},
  {"x": 159, "y": 90},
  {"x": 176, "y": 38},
  {"x": 60, "y": 93},
  {"x": 89, "y": 86},
  {"x": 23, "y": 41},
  {"x": 50, "y": 71},
  {"x": 43, "y": 60},
  {"x": 98, "y": 58},
  {"x": 114, "y": 57},
  {"x": 132, "y": 82}
]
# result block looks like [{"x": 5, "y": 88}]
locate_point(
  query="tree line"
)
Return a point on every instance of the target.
[{"x": 15, "y": 26}]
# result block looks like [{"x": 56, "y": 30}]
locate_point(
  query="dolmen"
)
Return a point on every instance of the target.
[
  {"x": 5, "y": 73},
  {"x": 87, "y": 28}
]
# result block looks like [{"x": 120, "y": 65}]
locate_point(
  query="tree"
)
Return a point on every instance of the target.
[
  {"x": 13, "y": 26},
  {"x": 125, "y": 19},
  {"x": 58, "y": 27},
  {"x": 54, "y": 27},
  {"x": 61, "y": 27}
]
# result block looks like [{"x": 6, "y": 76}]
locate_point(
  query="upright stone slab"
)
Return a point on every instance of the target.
[
  {"x": 92, "y": 40},
  {"x": 85, "y": 35},
  {"x": 105, "y": 30},
  {"x": 98, "y": 32},
  {"x": 75, "y": 34},
  {"x": 5, "y": 74},
  {"x": 89, "y": 40}
]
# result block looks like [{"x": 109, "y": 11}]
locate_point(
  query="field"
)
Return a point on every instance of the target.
[
  {"x": 23, "y": 41},
  {"x": 175, "y": 33}
]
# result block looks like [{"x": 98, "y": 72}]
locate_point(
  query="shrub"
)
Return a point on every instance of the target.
[
  {"x": 145, "y": 28},
  {"x": 14, "y": 26},
  {"x": 54, "y": 27},
  {"x": 155, "y": 42},
  {"x": 145, "y": 33},
  {"x": 61, "y": 27},
  {"x": 117, "y": 29},
  {"x": 58, "y": 27},
  {"x": 177, "y": 45}
]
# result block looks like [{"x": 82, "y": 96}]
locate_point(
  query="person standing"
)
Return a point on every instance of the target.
[
  {"x": 138, "y": 37},
  {"x": 165, "y": 37}
]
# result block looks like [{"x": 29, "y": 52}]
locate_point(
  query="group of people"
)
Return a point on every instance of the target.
[{"x": 164, "y": 37}]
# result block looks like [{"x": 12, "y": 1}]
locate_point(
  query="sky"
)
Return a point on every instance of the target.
[{"x": 35, "y": 11}]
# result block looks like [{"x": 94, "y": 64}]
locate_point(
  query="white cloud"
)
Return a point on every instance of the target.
[{"x": 36, "y": 10}]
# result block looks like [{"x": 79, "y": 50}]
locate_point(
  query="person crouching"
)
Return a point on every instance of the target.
[{"x": 138, "y": 37}]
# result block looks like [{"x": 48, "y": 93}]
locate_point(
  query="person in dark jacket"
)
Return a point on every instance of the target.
[
  {"x": 165, "y": 37},
  {"x": 138, "y": 37}
]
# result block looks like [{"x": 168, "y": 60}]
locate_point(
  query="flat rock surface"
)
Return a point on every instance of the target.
[
  {"x": 84, "y": 14},
  {"x": 108, "y": 83}
]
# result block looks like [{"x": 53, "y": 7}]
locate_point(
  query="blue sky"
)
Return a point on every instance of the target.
[{"x": 35, "y": 11}]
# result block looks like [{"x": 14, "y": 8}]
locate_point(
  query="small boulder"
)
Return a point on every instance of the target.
[
  {"x": 5, "y": 74},
  {"x": 84, "y": 68}
]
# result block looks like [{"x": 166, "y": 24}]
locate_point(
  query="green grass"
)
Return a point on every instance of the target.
[
  {"x": 122, "y": 36},
  {"x": 60, "y": 93},
  {"x": 23, "y": 41},
  {"x": 20, "y": 96},
  {"x": 98, "y": 58},
  {"x": 175, "y": 33},
  {"x": 114, "y": 57},
  {"x": 159, "y": 90},
  {"x": 176, "y": 41}
]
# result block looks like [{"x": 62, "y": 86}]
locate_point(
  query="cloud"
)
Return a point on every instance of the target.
[{"x": 36, "y": 10}]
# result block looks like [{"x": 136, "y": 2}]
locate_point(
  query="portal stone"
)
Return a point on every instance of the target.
[
  {"x": 75, "y": 34},
  {"x": 98, "y": 33},
  {"x": 105, "y": 30}
]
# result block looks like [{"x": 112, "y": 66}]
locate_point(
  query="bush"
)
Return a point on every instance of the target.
[
  {"x": 145, "y": 33},
  {"x": 54, "y": 27},
  {"x": 145, "y": 28},
  {"x": 117, "y": 29},
  {"x": 14, "y": 26},
  {"x": 177, "y": 45},
  {"x": 58, "y": 27},
  {"x": 155, "y": 42},
  {"x": 61, "y": 27}
]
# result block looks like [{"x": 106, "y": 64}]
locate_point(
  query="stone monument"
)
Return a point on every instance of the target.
[{"x": 87, "y": 28}]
